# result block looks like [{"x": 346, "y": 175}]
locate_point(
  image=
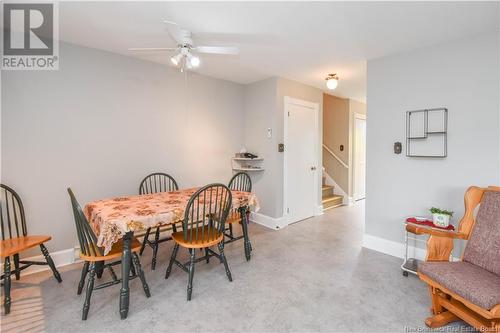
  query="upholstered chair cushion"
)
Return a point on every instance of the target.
[
  {"x": 483, "y": 247},
  {"x": 469, "y": 281}
]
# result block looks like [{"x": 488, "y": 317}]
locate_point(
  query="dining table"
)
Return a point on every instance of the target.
[{"x": 115, "y": 219}]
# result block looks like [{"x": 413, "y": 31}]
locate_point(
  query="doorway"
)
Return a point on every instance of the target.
[
  {"x": 301, "y": 183},
  {"x": 359, "y": 156}
]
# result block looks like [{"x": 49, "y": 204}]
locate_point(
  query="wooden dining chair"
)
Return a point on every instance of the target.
[
  {"x": 155, "y": 183},
  {"x": 241, "y": 181},
  {"x": 203, "y": 227},
  {"x": 91, "y": 254},
  {"x": 15, "y": 240}
]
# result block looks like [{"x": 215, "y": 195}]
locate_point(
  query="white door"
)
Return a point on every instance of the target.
[
  {"x": 301, "y": 160},
  {"x": 359, "y": 158}
]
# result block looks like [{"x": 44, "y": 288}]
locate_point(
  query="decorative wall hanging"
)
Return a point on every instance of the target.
[{"x": 427, "y": 132}]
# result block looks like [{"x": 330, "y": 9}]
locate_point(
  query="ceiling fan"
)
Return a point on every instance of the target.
[{"x": 185, "y": 52}]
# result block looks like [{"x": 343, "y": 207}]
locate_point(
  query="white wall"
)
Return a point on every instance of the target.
[
  {"x": 104, "y": 121},
  {"x": 464, "y": 77}
]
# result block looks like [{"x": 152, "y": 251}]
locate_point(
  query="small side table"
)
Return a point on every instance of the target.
[
  {"x": 410, "y": 265},
  {"x": 441, "y": 247}
]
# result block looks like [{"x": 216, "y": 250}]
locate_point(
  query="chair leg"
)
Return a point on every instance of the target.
[
  {"x": 132, "y": 267},
  {"x": 231, "y": 230},
  {"x": 140, "y": 272},
  {"x": 85, "y": 270},
  {"x": 224, "y": 261},
  {"x": 172, "y": 259},
  {"x": 191, "y": 274},
  {"x": 99, "y": 268},
  {"x": 90, "y": 288},
  {"x": 144, "y": 241},
  {"x": 155, "y": 248},
  {"x": 207, "y": 257},
  {"x": 50, "y": 262},
  {"x": 112, "y": 273},
  {"x": 16, "y": 266},
  {"x": 246, "y": 241},
  {"x": 6, "y": 285}
]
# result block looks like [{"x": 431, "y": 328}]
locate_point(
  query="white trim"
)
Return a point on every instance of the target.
[
  {"x": 392, "y": 248},
  {"x": 267, "y": 221},
  {"x": 315, "y": 107},
  {"x": 353, "y": 173},
  {"x": 319, "y": 210},
  {"x": 61, "y": 258}
]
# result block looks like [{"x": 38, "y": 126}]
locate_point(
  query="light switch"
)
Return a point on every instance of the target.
[{"x": 269, "y": 133}]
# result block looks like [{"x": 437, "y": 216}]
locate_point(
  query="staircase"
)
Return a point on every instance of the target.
[{"x": 330, "y": 200}]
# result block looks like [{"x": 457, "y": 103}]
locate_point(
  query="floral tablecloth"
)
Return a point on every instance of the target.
[{"x": 112, "y": 218}]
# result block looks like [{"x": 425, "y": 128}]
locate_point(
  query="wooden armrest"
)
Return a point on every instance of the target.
[{"x": 418, "y": 230}]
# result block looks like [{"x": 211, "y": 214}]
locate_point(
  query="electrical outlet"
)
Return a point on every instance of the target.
[{"x": 269, "y": 133}]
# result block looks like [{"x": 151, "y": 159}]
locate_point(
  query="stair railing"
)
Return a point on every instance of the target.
[{"x": 335, "y": 156}]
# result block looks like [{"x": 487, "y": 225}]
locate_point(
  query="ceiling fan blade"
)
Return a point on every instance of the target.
[
  {"x": 153, "y": 49},
  {"x": 218, "y": 49},
  {"x": 175, "y": 32}
]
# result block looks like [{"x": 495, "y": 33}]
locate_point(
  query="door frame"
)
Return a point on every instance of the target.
[
  {"x": 315, "y": 108},
  {"x": 362, "y": 117}
]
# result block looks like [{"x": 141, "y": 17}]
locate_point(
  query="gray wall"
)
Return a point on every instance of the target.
[
  {"x": 462, "y": 76},
  {"x": 101, "y": 123},
  {"x": 259, "y": 115},
  {"x": 264, "y": 108}
]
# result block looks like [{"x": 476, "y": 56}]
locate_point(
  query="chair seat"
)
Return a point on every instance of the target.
[
  {"x": 210, "y": 237},
  {"x": 115, "y": 252},
  {"x": 469, "y": 281},
  {"x": 13, "y": 246}
]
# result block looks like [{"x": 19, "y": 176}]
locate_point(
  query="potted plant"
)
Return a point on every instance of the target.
[{"x": 441, "y": 217}]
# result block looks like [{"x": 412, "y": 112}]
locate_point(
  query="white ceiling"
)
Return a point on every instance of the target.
[{"x": 296, "y": 40}]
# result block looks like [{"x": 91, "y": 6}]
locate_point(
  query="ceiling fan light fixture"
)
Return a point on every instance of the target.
[
  {"x": 194, "y": 61},
  {"x": 176, "y": 59},
  {"x": 332, "y": 80}
]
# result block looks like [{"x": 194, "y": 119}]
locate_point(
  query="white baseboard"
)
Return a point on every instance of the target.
[
  {"x": 391, "y": 248},
  {"x": 267, "y": 221},
  {"x": 394, "y": 249},
  {"x": 60, "y": 258},
  {"x": 319, "y": 210}
]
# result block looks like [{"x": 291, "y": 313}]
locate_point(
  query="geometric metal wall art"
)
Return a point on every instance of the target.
[{"x": 427, "y": 133}]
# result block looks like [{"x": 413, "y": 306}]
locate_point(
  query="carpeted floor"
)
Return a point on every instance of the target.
[{"x": 310, "y": 276}]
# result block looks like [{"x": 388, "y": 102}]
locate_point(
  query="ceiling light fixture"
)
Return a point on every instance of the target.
[
  {"x": 193, "y": 60},
  {"x": 332, "y": 80},
  {"x": 176, "y": 59}
]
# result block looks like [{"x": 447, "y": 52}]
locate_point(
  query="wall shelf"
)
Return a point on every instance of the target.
[
  {"x": 248, "y": 169},
  {"x": 247, "y": 159},
  {"x": 427, "y": 133},
  {"x": 246, "y": 164}
]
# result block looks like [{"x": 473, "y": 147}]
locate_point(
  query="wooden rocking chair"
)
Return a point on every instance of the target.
[{"x": 468, "y": 290}]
